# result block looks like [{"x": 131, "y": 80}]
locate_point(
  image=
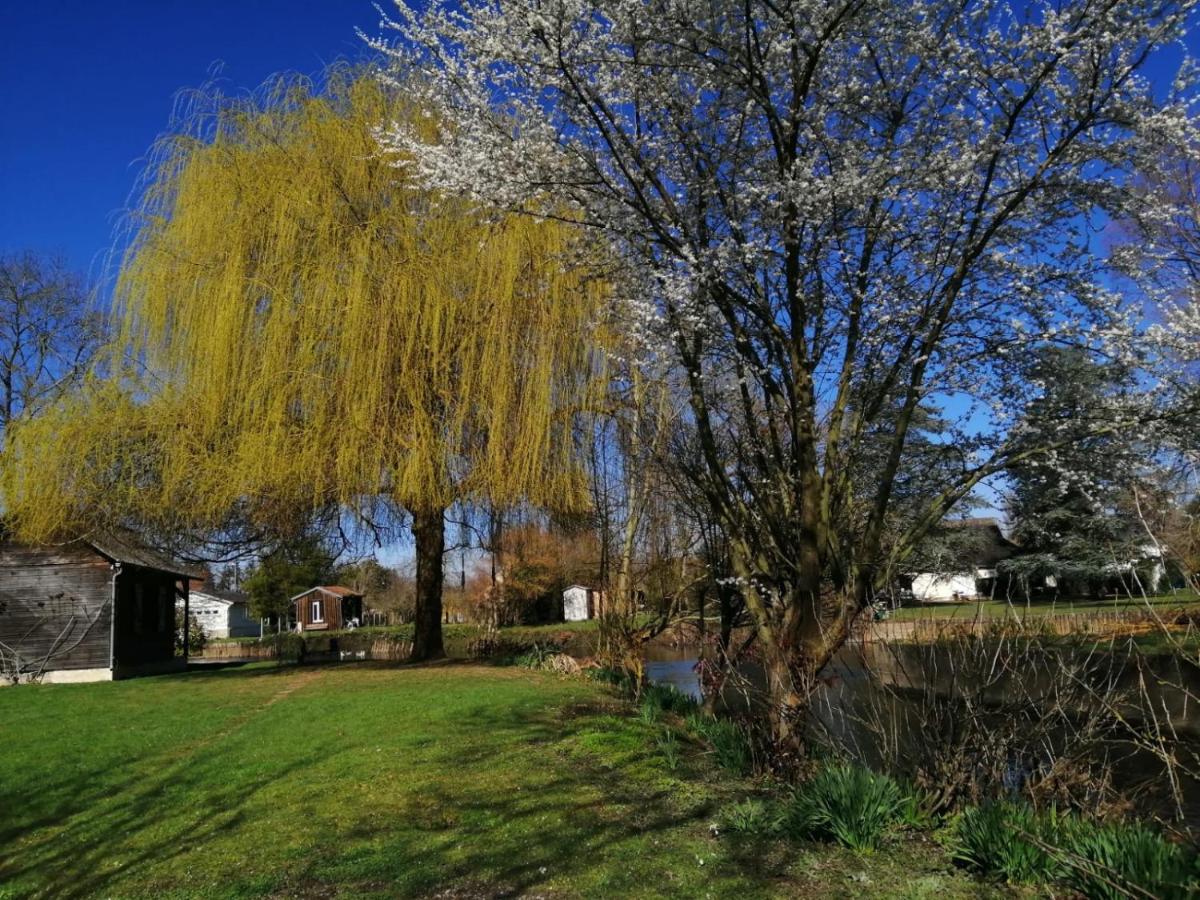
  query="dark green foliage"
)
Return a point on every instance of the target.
[
  {"x": 1102, "y": 860},
  {"x": 847, "y": 804},
  {"x": 665, "y": 698},
  {"x": 285, "y": 572},
  {"x": 731, "y": 744},
  {"x": 1069, "y": 525},
  {"x": 916, "y": 809},
  {"x": 1003, "y": 839}
]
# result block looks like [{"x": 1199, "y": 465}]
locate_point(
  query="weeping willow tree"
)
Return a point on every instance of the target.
[{"x": 309, "y": 328}]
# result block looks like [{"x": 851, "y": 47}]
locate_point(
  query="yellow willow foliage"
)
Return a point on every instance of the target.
[{"x": 322, "y": 331}]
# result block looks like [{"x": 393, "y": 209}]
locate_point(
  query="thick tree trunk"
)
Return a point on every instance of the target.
[{"x": 429, "y": 532}]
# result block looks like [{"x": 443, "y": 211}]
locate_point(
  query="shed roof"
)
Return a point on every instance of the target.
[
  {"x": 125, "y": 548},
  {"x": 226, "y": 597},
  {"x": 335, "y": 589}
]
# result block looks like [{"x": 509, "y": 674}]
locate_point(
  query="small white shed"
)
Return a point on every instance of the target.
[
  {"x": 577, "y": 604},
  {"x": 223, "y": 614}
]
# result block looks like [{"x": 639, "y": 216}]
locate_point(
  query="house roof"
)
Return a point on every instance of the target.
[
  {"x": 335, "y": 590},
  {"x": 227, "y": 597},
  {"x": 125, "y": 548},
  {"x": 986, "y": 544}
]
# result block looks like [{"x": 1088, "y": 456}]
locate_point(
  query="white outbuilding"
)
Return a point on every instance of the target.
[
  {"x": 224, "y": 614},
  {"x": 579, "y": 603}
]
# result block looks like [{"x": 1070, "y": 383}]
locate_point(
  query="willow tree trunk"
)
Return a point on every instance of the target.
[{"x": 429, "y": 533}]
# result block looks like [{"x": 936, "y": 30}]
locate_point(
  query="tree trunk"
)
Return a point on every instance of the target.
[{"x": 429, "y": 532}]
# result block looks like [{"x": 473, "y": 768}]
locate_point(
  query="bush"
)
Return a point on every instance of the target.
[
  {"x": 730, "y": 742},
  {"x": 1002, "y": 839},
  {"x": 537, "y": 657},
  {"x": 196, "y": 638},
  {"x": 1103, "y": 859},
  {"x": 848, "y": 804}
]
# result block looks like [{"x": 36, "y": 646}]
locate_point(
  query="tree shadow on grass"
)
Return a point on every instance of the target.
[
  {"x": 576, "y": 819},
  {"x": 458, "y": 806}
]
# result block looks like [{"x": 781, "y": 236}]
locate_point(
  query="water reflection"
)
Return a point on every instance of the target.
[
  {"x": 676, "y": 667},
  {"x": 891, "y": 681}
]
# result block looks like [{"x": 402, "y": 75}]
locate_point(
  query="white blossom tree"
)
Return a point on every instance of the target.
[{"x": 834, "y": 212}]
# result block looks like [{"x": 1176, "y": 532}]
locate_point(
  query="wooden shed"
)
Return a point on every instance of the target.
[
  {"x": 327, "y": 608},
  {"x": 89, "y": 610}
]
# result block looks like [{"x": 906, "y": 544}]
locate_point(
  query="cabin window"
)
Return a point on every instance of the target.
[{"x": 318, "y": 611}]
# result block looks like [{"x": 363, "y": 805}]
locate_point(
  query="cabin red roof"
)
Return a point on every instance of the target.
[
  {"x": 339, "y": 590},
  {"x": 335, "y": 590}
]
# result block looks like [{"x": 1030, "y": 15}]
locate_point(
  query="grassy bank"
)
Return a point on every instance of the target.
[
  {"x": 999, "y": 609},
  {"x": 369, "y": 781}
]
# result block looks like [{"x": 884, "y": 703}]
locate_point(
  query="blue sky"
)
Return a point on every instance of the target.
[{"x": 85, "y": 87}]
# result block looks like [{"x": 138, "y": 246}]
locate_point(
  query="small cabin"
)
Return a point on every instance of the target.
[
  {"x": 88, "y": 610},
  {"x": 223, "y": 614},
  {"x": 327, "y": 608}
]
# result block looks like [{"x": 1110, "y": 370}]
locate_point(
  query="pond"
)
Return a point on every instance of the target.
[{"x": 873, "y": 701}]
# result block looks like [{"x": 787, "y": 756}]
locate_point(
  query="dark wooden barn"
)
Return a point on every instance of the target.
[
  {"x": 90, "y": 610},
  {"x": 327, "y": 608}
]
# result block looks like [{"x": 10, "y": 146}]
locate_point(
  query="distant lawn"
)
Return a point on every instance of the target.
[
  {"x": 365, "y": 781},
  {"x": 1000, "y": 609}
]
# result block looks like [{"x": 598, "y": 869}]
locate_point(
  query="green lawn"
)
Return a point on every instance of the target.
[
  {"x": 1000, "y": 609},
  {"x": 452, "y": 781}
]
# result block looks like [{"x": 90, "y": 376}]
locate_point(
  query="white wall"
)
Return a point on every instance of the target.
[
  {"x": 934, "y": 587},
  {"x": 575, "y": 604},
  {"x": 221, "y": 618}
]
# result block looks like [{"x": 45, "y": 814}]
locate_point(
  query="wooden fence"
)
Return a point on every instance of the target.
[
  {"x": 311, "y": 649},
  {"x": 1100, "y": 623}
]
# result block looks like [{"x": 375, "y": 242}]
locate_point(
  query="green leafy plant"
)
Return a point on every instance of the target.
[
  {"x": 1099, "y": 861},
  {"x": 1104, "y": 861},
  {"x": 730, "y": 743},
  {"x": 195, "y": 636},
  {"x": 668, "y": 699},
  {"x": 668, "y": 745},
  {"x": 916, "y": 809},
  {"x": 751, "y": 817},
  {"x": 1006, "y": 839},
  {"x": 537, "y": 657},
  {"x": 847, "y": 804}
]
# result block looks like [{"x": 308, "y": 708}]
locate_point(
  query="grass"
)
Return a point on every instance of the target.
[
  {"x": 994, "y": 609},
  {"x": 372, "y": 781}
]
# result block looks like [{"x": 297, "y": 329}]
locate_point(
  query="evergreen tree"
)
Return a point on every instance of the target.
[{"x": 1064, "y": 506}]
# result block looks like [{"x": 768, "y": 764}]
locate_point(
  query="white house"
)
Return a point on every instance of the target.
[
  {"x": 970, "y": 569},
  {"x": 579, "y": 603},
  {"x": 224, "y": 614}
]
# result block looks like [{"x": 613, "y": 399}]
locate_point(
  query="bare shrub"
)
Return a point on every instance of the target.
[{"x": 1089, "y": 725}]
